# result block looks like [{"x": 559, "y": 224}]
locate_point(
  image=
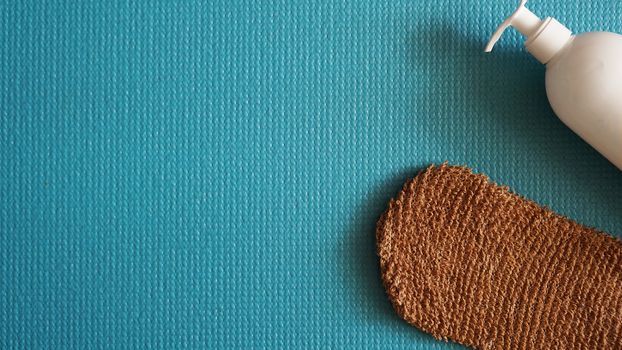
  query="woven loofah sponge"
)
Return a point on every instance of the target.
[{"x": 465, "y": 259}]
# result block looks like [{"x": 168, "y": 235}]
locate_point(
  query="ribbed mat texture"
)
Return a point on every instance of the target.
[{"x": 208, "y": 174}]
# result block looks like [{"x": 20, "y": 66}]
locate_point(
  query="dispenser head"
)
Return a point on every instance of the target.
[
  {"x": 522, "y": 19},
  {"x": 545, "y": 38}
]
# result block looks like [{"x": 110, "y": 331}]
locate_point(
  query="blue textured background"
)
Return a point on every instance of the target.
[{"x": 187, "y": 174}]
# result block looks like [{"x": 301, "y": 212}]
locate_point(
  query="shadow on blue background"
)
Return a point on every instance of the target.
[
  {"x": 505, "y": 91},
  {"x": 358, "y": 252}
]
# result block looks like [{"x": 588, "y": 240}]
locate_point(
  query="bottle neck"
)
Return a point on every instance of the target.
[
  {"x": 548, "y": 40},
  {"x": 561, "y": 52}
]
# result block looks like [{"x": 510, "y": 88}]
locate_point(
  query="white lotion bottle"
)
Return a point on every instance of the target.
[{"x": 583, "y": 77}]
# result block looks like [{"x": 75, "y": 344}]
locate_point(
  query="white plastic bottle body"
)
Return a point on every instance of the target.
[{"x": 584, "y": 87}]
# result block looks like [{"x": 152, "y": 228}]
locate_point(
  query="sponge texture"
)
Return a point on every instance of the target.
[{"x": 465, "y": 259}]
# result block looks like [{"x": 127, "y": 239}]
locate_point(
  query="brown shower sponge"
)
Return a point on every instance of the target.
[{"x": 465, "y": 259}]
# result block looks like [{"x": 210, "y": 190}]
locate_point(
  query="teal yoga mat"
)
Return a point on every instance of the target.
[{"x": 207, "y": 174}]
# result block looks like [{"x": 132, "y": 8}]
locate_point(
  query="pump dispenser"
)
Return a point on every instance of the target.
[
  {"x": 583, "y": 77},
  {"x": 545, "y": 38}
]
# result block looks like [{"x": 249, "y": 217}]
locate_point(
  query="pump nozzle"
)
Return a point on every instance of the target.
[
  {"x": 522, "y": 19},
  {"x": 544, "y": 37}
]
